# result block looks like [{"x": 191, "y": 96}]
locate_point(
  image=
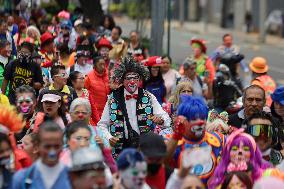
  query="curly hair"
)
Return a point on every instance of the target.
[
  {"x": 10, "y": 118},
  {"x": 129, "y": 64}
]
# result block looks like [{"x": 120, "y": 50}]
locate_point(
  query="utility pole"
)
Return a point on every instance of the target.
[
  {"x": 157, "y": 26},
  {"x": 181, "y": 12},
  {"x": 169, "y": 27},
  {"x": 204, "y": 8},
  {"x": 262, "y": 17}
]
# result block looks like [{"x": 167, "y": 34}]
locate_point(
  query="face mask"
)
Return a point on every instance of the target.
[
  {"x": 23, "y": 57},
  {"x": 153, "y": 168}
]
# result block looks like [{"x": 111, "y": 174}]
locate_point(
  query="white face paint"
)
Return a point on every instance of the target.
[
  {"x": 134, "y": 177},
  {"x": 131, "y": 82}
]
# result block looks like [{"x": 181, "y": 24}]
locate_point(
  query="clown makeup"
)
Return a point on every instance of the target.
[
  {"x": 236, "y": 183},
  {"x": 131, "y": 82},
  {"x": 195, "y": 129},
  {"x": 25, "y": 104},
  {"x": 134, "y": 177},
  {"x": 240, "y": 153},
  {"x": 104, "y": 52}
]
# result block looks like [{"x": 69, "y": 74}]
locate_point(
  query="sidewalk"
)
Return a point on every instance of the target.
[{"x": 198, "y": 27}]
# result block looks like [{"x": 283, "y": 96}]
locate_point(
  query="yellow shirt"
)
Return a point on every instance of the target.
[{"x": 4, "y": 100}]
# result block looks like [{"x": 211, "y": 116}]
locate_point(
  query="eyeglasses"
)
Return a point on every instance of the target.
[
  {"x": 130, "y": 77},
  {"x": 260, "y": 130},
  {"x": 62, "y": 75}
]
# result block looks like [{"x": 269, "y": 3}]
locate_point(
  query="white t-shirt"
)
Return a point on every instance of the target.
[{"x": 49, "y": 174}]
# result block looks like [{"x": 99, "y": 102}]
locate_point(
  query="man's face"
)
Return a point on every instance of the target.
[
  {"x": 25, "y": 103},
  {"x": 89, "y": 179},
  {"x": 133, "y": 37},
  {"x": 60, "y": 78},
  {"x": 261, "y": 130},
  {"x": 50, "y": 147},
  {"x": 134, "y": 177},
  {"x": 194, "y": 129},
  {"x": 228, "y": 41},
  {"x": 3, "y": 27},
  {"x": 254, "y": 101},
  {"x": 131, "y": 82},
  {"x": 191, "y": 71},
  {"x": 114, "y": 34},
  {"x": 10, "y": 21}
]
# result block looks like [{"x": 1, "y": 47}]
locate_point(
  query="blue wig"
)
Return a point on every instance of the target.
[{"x": 192, "y": 108}]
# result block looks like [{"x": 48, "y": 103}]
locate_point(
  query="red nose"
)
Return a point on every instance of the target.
[{"x": 132, "y": 82}]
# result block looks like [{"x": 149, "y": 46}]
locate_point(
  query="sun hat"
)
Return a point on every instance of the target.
[{"x": 259, "y": 65}]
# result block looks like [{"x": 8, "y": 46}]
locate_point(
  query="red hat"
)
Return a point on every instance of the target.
[
  {"x": 153, "y": 61},
  {"x": 201, "y": 42},
  {"x": 47, "y": 36},
  {"x": 103, "y": 42}
]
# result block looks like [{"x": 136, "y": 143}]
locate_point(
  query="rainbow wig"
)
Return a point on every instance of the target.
[
  {"x": 192, "y": 108},
  {"x": 256, "y": 161},
  {"x": 10, "y": 119}
]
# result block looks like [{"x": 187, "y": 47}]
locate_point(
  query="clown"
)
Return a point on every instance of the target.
[
  {"x": 218, "y": 122},
  {"x": 26, "y": 103},
  {"x": 132, "y": 169},
  {"x": 240, "y": 151},
  {"x": 130, "y": 110},
  {"x": 190, "y": 134}
]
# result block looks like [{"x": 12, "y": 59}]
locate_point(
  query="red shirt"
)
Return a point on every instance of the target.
[{"x": 157, "y": 181}]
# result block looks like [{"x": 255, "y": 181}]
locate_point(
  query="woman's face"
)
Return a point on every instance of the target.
[
  {"x": 79, "y": 82},
  {"x": 51, "y": 108},
  {"x": 279, "y": 109},
  {"x": 236, "y": 183},
  {"x": 79, "y": 139},
  {"x": 166, "y": 65},
  {"x": 155, "y": 71},
  {"x": 133, "y": 37},
  {"x": 28, "y": 145},
  {"x": 240, "y": 153},
  {"x": 187, "y": 90},
  {"x": 80, "y": 113}
]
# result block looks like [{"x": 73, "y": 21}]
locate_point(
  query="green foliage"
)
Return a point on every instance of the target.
[{"x": 136, "y": 8}]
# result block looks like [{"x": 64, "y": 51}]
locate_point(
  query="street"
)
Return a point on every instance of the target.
[{"x": 180, "y": 48}]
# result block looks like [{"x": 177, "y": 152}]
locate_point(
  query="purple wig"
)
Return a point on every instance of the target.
[{"x": 256, "y": 161}]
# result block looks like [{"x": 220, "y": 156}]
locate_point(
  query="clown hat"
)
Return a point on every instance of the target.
[
  {"x": 46, "y": 37},
  {"x": 153, "y": 61},
  {"x": 103, "y": 42},
  {"x": 201, "y": 42}
]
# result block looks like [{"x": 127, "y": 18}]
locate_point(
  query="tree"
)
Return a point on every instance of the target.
[
  {"x": 63, "y": 4},
  {"x": 93, "y": 10}
]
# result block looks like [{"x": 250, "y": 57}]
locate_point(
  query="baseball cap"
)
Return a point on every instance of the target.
[
  {"x": 278, "y": 95},
  {"x": 87, "y": 159},
  {"x": 50, "y": 98},
  {"x": 152, "y": 145},
  {"x": 78, "y": 22},
  {"x": 187, "y": 62}
]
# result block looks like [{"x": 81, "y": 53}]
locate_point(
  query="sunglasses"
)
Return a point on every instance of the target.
[
  {"x": 260, "y": 130},
  {"x": 63, "y": 75}
]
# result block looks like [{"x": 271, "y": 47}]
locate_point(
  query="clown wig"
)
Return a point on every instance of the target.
[
  {"x": 128, "y": 64},
  {"x": 10, "y": 119},
  {"x": 192, "y": 108},
  {"x": 256, "y": 161}
]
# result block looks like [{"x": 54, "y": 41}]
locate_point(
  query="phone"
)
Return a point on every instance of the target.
[{"x": 195, "y": 156}]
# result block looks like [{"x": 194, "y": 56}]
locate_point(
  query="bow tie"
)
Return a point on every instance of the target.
[{"x": 128, "y": 97}]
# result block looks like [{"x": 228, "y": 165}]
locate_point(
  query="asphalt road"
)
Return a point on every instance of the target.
[{"x": 180, "y": 48}]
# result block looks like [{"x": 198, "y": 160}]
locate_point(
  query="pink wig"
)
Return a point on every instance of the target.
[{"x": 256, "y": 161}]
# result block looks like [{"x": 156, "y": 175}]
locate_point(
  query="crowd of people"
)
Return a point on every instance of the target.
[{"x": 83, "y": 108}]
